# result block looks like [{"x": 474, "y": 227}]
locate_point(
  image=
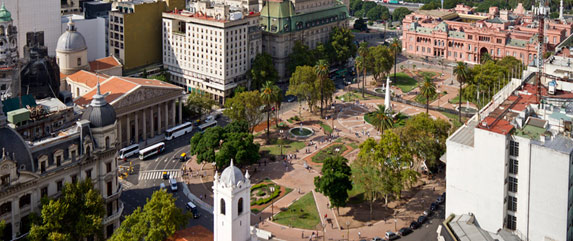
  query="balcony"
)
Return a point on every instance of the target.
[
  {"x": 116, "y": 194},
  {"x": 114, "y": 216}
]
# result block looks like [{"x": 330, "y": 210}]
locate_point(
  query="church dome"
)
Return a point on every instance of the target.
[
  {"x": 99, "y": 113},
  {"x": 71, "y": 40},
  {"x": 5, "y": 15},
  {"x": 231, "y": 175}
]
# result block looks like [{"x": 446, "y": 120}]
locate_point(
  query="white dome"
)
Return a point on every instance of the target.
[
  {"x": 231, "y": 175},
  {"x": 71, "y": 40}
]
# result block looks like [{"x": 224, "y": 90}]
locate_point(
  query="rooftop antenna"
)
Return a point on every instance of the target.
[{"x": 541, "y": 15}]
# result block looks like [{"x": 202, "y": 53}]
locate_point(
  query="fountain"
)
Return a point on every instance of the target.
[{"x": 301, "y": 132}]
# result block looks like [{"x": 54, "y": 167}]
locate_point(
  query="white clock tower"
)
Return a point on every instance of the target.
[{"x": 232, "y": 205}]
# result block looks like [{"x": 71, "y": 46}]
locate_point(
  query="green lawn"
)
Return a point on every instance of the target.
[
  {"x": 404, "y": 82},
  {"x": 399, "y": 119},
  {"x": 301, "y": 214},
  {"x": 327, "y": 129},
  {"x": 356, "y": 95},
  {"x": 454, "y": 119},
  {"x": 288, "y": 147},
  {"x": 422, "y": 99},
  {"x": 456, "y": 100},
  {"x": 429, "y": 74},
  {"x": 328, "y": 152}
]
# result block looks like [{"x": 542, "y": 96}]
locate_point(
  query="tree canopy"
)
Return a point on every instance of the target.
[
  {"x": 262, "y": 70},
  {"x": 245, "y": 106},
  {"x": 400, "y": 13},
  {"x": 381, "y": 60},
  {"x": 342, "y": 43},
  {"x": 77, "y": 214},
  {"x": 378, "y": 12},
  {"x": 199, "y": 103},
  {"x": 158, "y": 220},
  {"x": 360, "y": 24},
  {"x": 335, "y": 180},
  {"x": 221, "y": 144}
]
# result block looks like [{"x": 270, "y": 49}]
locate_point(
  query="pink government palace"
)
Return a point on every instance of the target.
[{"x": 460, "y": 34}]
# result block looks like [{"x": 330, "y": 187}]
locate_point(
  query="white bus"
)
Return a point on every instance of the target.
[
  {"x": 151, "y": 150},
  {"x": 126, "y": 152},
  {"x": 207, "y": 125},
  {"x": 178, "y": 131}
]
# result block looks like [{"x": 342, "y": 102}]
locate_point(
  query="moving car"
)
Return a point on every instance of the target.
[
  {"x": 165, "y": 175},
  {"x": 405, "y": 231},
  {"x": 173, "y": 184},
  {"x": 193, "y": 209},
  {"x": 391, "y": 236}
]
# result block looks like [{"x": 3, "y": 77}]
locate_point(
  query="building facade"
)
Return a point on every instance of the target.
[
  {"x": 461, "y": 35},
  {"x": 511, "y": 165},
  {"x": 9, "y": 77},
  {"x": 36, "y": 16},
  {"x": 286, "y": 21},
  {"x": 210, "y": 48},
  {"x": 30, "y": 170},
  {"x": 126, "y": 31},
  {"x": 94, "y": 31},
  {"x": 231, "y": 209}
]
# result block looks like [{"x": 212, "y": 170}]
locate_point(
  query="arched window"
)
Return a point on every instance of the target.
[
  {"x": 240, "y": 206},
  {"x": 223, "y": 206},
  {"x": 107, "y": 142}
]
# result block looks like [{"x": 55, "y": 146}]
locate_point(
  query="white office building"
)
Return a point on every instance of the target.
[
  {"x": 511, "y": 166},
  {"x": 210, "y": 48},
  {"x": 35, "y": 16}
]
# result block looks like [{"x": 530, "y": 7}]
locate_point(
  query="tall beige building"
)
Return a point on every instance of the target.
[
  {"x": 210, "y": 47},
  {"x": 310, "y": 21}
]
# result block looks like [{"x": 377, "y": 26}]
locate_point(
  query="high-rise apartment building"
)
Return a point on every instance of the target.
[
  {"x": 135, "y": 31},
  {"x": 511, "y": 165},
  {"x": 310, "y": 21},
  {"x": 210, "y": 48}
]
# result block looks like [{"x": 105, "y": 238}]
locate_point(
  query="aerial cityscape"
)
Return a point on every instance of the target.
[{"x": 236, "y": 120}]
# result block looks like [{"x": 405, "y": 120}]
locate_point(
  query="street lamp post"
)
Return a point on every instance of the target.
[
  {"x": 395, "y": 222},
  {"x": 281, "y": 144},
  {"x": 324, "y": 230},
  {"x": 348, "y": 230},
  {"x": 272, "y": 189}
]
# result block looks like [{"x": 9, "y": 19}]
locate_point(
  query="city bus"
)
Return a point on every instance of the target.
[
  {"x": 126, "y": 152},
  {"x": 178, "y": 131},
  {"x": 151, "y": 150},
  {"x": 207, "y": 125}
]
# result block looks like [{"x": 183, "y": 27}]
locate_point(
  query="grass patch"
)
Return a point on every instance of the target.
[
  {"x": 353, "y": 96},
  {"x": 428, "y": 74},
  {"x": 422, "y": 98},
  {"x": 328, "y": 152},
  {"x": 327, "y": 129},
  {"x": 456, "y": 100},
  {"x": 399, "y": 119},
  {"x": 288, "y": 146},
  {"x": 301, "y": 214},
  {"x": 454, "y": 120},
  {"x": 404, "y": 82}
]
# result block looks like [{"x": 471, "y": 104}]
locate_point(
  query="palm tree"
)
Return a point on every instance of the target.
[
  {"x": 397, "y": 49},
  {"x": 359, "y": 62},
  {"x": 363, "y": 52},
  {"x": 427, "y": 89},
  {"x": 382, "y": 119},
  {"x": 269, "y": 96},
  {"x": 321, "y": 69},
  {"x": 278, "y": 100},
  {"x": 461, "y": 71}
]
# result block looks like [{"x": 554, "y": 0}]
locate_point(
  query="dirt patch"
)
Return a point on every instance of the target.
[{"x": 263, "y": 125}]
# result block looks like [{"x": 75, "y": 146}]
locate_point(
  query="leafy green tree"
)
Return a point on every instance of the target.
[
  {"x": 321, "y": 70},
  {"x": 342, "y": 43},
  {"x": 269, "y": 95},
  {"x": 158, "y": 220},
  {"x": 366, "y": 174},
  {"x": 2, "y": 227},
  {"x": 262, "y": 70},
  {"x": 400, "y": 13},
  {"x": 382, "y": 119},
  {"x": 425, "y": 138},
  {"x": 300, "y": 56},
  {"x": 77, "y": 214},
  {"x": 245, "y": 106},
  {"x": 199, "y": 103},
  {"x": 462, "y": 75},
  {"x": 302, "y": 85},
  {"x": 428, "y": 90},
  {"x": 381, "y": 59},
  {"x": 355, "y": 5},
  {"x": 430, "y": 6},
  {"x": 205, "y": 144},
  {"x": 378, "y": 13},
  {"x": 335, "y": 180},
  {"x": 367, "y": 5}
]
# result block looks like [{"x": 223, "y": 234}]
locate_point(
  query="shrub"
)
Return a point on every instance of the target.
[{"x": 268, "y": 199}]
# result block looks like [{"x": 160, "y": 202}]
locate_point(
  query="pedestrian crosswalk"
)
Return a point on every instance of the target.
[{"x": 158, "y": 174}]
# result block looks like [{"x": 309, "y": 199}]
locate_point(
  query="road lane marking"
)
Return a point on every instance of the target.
[{"x": 158, "y": 174}]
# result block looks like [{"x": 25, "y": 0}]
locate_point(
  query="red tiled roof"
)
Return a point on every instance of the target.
[
  {"x": 87, "y": 78},
  {"x": 63, "y": 76},
  {"x": 114, "y": 86},
  {"x": 104, "y": 63},
  {"x": 501, "y": 126}
]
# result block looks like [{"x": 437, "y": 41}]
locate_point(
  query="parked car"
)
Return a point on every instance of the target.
[
  {"x": 434, "y": 206},
  {"x": 193, "y": 209},
  {"x": 377, "y": 239},
  {"x": 391, "y": 236},
  {"x": 422, "y": 219},
  {"x": 428, "y": 213},
  {"x": 405, "y": 231},
  {"x": 414, "y": 225},
  {"x": 440, "y": 200},
  {"x": 290, "y": 98}
]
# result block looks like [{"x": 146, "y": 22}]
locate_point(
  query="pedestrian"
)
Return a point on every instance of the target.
[
  {"x": 358, "y": 234},
  {"x": 302, "y": 235}
]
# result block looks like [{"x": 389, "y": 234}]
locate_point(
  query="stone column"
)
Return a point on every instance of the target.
[
  {"x": 173, "y": 112},
  {"x": 13, "y": 218},
  {"x": 137, "y": 127},
  {"x": 128, "y": 124},
  {"x": 119, "y": 132},
  {"x": 180, "y": 111},
  {"x": 159, "y": 119},
  {"x": 144, "y": 125},
  {"x": 152, "y": 125},
  {"x": 166, "y": 115}
]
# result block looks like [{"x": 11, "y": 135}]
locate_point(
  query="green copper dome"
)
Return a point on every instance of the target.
[{"x": 5, "y": 15}]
